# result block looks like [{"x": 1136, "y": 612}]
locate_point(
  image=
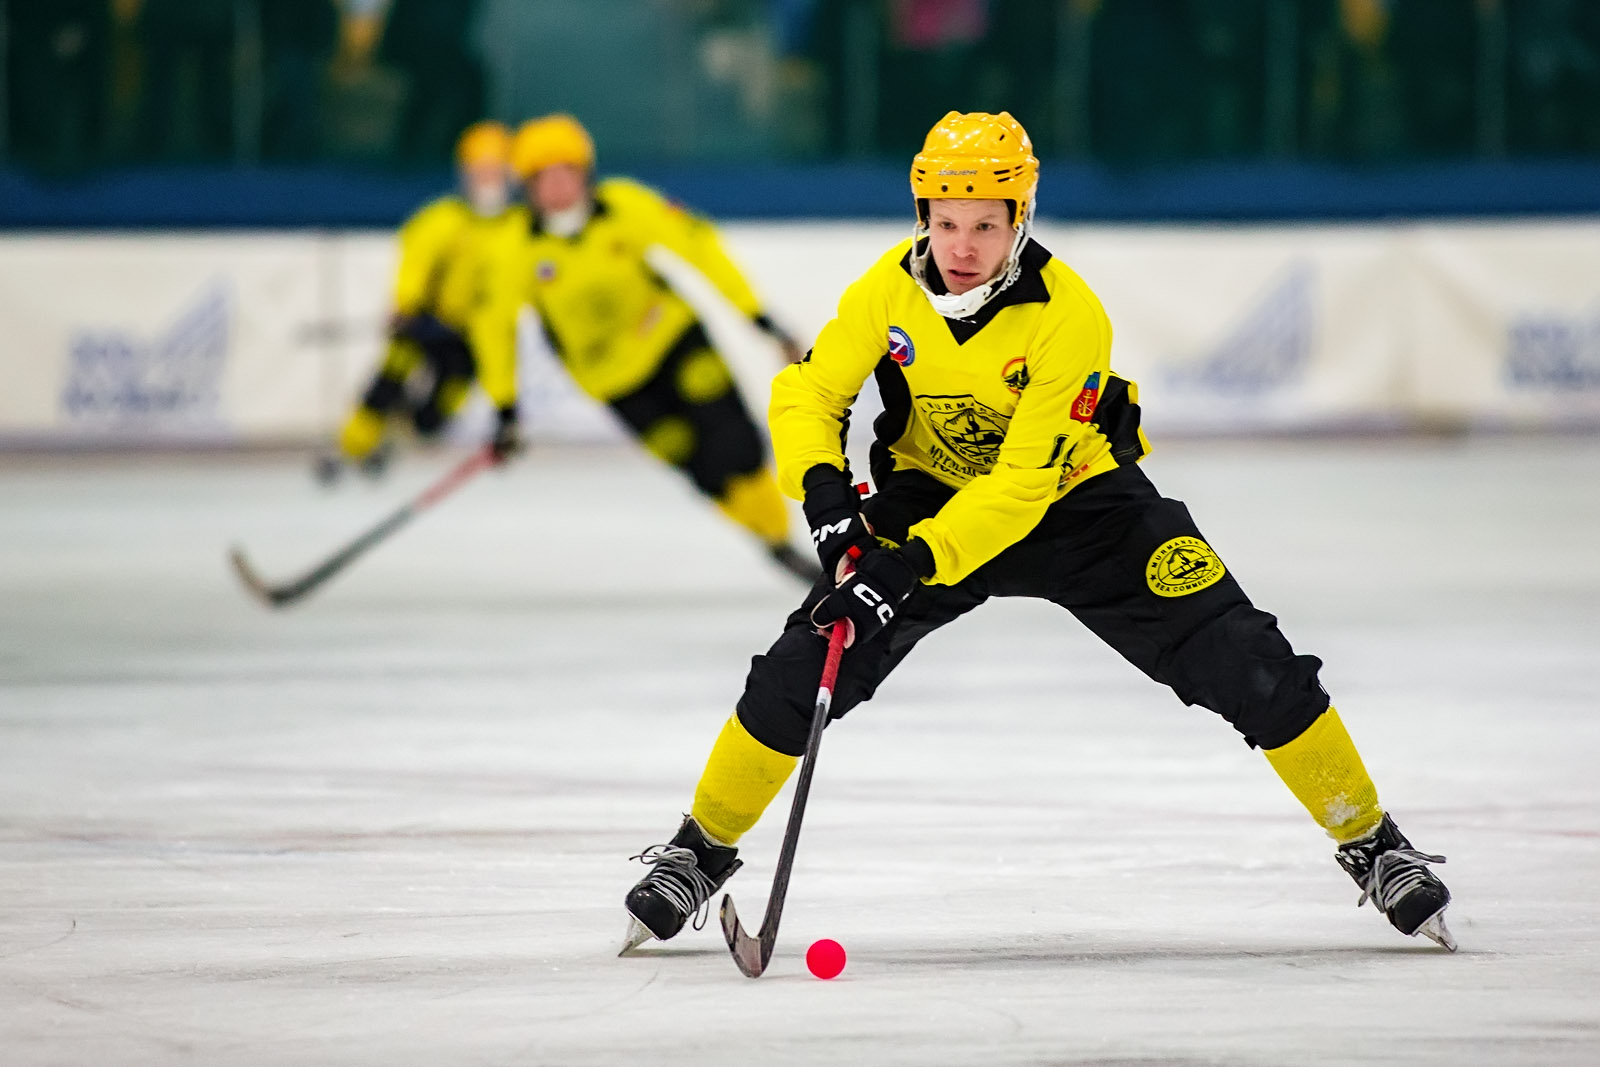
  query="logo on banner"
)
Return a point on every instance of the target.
[
  {"x": 1015, "y": 375},
  {"x": 1083, "y": 407},
  {"x": 901, "y": 350},
  {"x": 119, "y": 376},
  {"x": 1554, "y": 352},
  {"x": 1269, "y": 347},
  {"x": 1182, "y": 566}
]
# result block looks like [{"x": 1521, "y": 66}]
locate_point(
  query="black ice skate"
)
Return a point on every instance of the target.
[
  {"x": 327, "y": 468},
  {"x": 684, "y": 875},
  {"x": 375, "y": 464},
  {"x": 1395, "y": 877}
]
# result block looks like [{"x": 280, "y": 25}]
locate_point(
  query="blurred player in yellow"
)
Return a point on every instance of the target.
[
  {"x": 429, "y": 368},
  {"x": 627, "y": 338},
  {"x": 1006, "y": 463}
]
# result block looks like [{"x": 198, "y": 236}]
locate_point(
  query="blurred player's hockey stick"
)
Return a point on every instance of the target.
[
  {"x": 753, "y": 953},
  {"x": 288, "y": 592}
]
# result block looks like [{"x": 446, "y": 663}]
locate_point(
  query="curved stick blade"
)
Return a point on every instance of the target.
[
  {"x": 252, "y": 580},
  {"x": 751, "y": 954}
]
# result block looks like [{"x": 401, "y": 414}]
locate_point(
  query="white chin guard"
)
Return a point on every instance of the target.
[
  {"x": 569, "y": 223},
  {"x": 969, "y": 303},
  {"x": 488, "y": 200}
]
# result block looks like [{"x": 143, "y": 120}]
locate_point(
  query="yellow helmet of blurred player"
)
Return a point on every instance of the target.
[
  {"x": 484, "y": 142},
  {"x": 977, "y": 156},
  {"x": 550, "y": 141},
  {"x": 974, "y": 156}
]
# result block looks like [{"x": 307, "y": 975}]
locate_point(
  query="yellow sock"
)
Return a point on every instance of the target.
[
  {"x": 1323, "y": 770},
  {"x": 361, "y": 434},
  {"x": 740, "y": 780},
  {"x": 754, "y": 502}
]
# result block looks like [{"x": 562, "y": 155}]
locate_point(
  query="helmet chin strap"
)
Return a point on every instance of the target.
[{"x": 967, "y": 304}]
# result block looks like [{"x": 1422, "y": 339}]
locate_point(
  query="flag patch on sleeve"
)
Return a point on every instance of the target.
[{"x": 1083, "y": 407}]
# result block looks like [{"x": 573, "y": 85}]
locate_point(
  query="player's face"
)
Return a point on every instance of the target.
[
  {"x": 558, "y": 188},
  {"x": 487, "y": 185},
  {"x": 970, "y": 240}
]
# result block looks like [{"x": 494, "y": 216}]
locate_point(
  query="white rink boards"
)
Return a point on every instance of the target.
[
  {"x": 391, "y": 826},
  {"x": 267, "y": 338}
]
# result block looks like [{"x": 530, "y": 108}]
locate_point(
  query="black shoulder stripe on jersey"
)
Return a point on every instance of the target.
[
  {"x": 1029, "y": 288},
  {"x": 895, "y": 419},
  {"x": 1118, "y": 416},
  {"x": 844, "y": 437}
]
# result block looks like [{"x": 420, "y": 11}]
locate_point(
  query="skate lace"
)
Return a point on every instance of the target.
[
  {"x": 677, "y": 876},
  {"x": 1394, "y": 874}
]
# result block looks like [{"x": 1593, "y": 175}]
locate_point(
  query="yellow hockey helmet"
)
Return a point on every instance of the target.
[
  {"x": 484, "y": 142},
  {"x": 550, "y": 141},
  {"x": 977, "y": 156}
]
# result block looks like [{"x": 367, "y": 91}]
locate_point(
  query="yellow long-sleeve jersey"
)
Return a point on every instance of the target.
[
  {"x": 444, "y": 254},
  {"x": 1013, "y": 408},
  {"x": 609, "y": 315}
]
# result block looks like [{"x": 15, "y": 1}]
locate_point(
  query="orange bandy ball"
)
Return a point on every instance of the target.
[{"x": 825, "y": 958}]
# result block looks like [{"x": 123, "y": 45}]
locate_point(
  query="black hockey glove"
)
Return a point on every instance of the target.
[
  {"x": 833, "y": 512},
  {"x": 507, "y": 440},
  {"x": 870, "y": 596}
]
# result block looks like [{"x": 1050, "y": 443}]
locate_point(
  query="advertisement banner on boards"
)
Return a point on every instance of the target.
[
  {"x": 133, "y": 338},
  {"x": 270, "y": 338}
]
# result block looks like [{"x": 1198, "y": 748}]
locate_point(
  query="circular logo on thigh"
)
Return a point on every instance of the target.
[
  {"x": 901, "y": 350},
  {"x": 1182, "y": 566}
]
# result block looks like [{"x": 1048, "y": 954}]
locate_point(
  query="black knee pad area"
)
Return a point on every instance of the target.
[
  {"x": 781, "y": 689},
  {"x": 1240, "y": 666},
  {"x": 384, "y": 394},
  {"x": 728, "y": 445}
]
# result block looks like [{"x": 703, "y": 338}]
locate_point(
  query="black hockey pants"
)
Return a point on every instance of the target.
[
  {"x": 1102, "y": 552},
  {"x": 450, "y": 371},
  {"x": 689, "y": 414}
]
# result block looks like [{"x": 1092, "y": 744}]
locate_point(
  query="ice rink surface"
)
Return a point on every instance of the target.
[{"x": 392, "y": 825}]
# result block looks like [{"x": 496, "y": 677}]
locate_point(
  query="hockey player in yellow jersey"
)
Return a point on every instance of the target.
[
  {"x": 1006, "y": 465},
  {"x": 626, "y": 337},
  {"x": 429, "y": 367}
]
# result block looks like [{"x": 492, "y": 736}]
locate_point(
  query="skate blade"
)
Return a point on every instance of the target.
[
  {"x": 637, "y": 935},
  {"x": 1435, "y": 930}
]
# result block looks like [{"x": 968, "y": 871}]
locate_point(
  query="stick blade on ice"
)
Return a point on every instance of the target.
[
  {"x": 751, "y": 954},
  {"x": 253, "y": 580}
]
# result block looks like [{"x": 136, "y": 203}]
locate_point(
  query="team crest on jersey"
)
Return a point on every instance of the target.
[
  {"x": 971, "y": 429},
  {"x": 901, "y": 350},
  {"x": 1015, "y": 375},
  {"x": 1083, "y": 407},
  {"x": 546, "y": 271},
  {"x": 1182, "y": 566}
]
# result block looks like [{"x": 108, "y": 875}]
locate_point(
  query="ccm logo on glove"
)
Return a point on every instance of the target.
[
  {"x": 828, "y": 529},
  {"x": 869, "y": 596}
]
